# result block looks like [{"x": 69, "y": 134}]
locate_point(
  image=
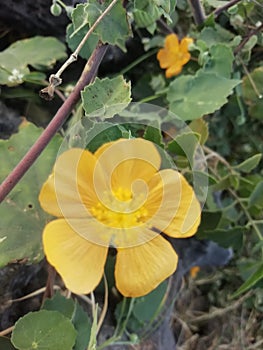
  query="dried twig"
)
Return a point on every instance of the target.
[{"x": 221, "y": 312}]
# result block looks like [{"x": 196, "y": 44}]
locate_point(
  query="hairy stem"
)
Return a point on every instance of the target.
[
  {"x": 34, "y": 152},
  {"x": 198, "y": 11}
]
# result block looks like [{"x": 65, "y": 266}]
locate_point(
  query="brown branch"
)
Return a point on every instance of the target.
[
  {"x": 198, "y": 11},
  {"x": 87, "y": 76},
  {"x": 219, "y": 10},
  {"x": 243, "y": 43}
]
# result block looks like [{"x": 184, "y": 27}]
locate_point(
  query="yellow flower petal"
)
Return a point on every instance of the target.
[
  {"x": 129, "y": 161},
  {"x": 69, "y": 190},
  {"x": 165, "y": 58},
  {"x": 173, "y": 70},
  {"x": 174, "y": 55},
  {"x": 184, "y": 44},
  {"x": 167, "y": 55},
  {"x": 141, "y": 269},
  {"x": 172, "y": 205},
  {"x": 48, "y": 199},
  {"x": 79, "y": 262},
  {"x": 171, "y": 42}
]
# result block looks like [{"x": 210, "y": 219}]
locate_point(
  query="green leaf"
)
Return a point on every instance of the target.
[
  {"x": 144, "y": 311},
  {"x": 250, "y": 282},
  {"x": 5, "y": 344},
  {"x": 82, "y": 324},
  {"x": 212, "y": 36},
  {"x": 220, "y": 61},
  {"x": 191, "y": 97},
  {"x": 153, "y": 133},
  {"x": 145, "y": 19},
  {"x": 185, "y": 145},
  {"x": 210, "y": 220},
  {"x": 101, "y": 133},
  {"x": 256, "y": 197},
  {"x": 230, "y": 180},
  {"x": 249, "y": 164},
  {"x": 42, "y": 330},
  {"x": 248, "y": 266},
  {"x": 75, "y": 313},
  {"x": 253, "y": 98},
  {"x": 38, "y": 52},
  {"x": 114, "y": 28},
  {"x": 246, "y": 50},
  {"x": 106, "y": 97},
  {"x": 146, "y": 308},
  {"x": 78, "y": 29},
  {"x": 79, "y": 17},
  {"x": 61, "y": 304},
  {"x": 216, "y": 3},
  {"x": 74, "y": 40},
  {"x": 147, "y": 12},
  {"x": 200, "y": 180},
  {"x": 225, "y": 238},
  {"x": 200, "y": 127},
  {"x": 22, "y": 237},
  {"x": 34, "y": 77}
]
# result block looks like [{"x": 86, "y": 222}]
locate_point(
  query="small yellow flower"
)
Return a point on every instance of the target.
[
  {"x": 116, "y": 197},
  {"x": 174, "y": 55},
  {"x": 194, "y": 271}
]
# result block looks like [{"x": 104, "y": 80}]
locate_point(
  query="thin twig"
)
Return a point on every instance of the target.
[
  {"x": 87, "y": 76},
  {"x": 221, "y": 9},
  {"x": 33, "y": 294},
  {"x": 105, "y": 306},
  {"x": 74, "y": 56},
  {"x": 217, "y": 156},
  {"x": 243, "y": 43},
  {"x": 233, "y": 193},
  {"x": 257, "y": 345},
  {"x": 198, "y": 11},
  {"x": 164, "y": 26},
  {"x": 49, "y": 291},
  {"x": 254, "y": 86},
  {"x": 6, "y": 331},
  {"x": 221, "y": 312}
]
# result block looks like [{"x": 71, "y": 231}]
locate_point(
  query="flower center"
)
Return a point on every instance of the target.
[{"x": 120, "y": 209}]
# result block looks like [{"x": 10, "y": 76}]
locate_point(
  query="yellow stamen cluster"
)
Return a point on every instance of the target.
[{"x": 118, "y": 209}]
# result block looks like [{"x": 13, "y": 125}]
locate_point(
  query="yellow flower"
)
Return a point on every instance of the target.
[
  {"x": 174, "y": 55},
  {"x": 116, "y": 197},
  {"x": 194, "y": 271}
]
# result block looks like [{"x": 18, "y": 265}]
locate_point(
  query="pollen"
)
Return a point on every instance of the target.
[{"x": 120, "y": 209}]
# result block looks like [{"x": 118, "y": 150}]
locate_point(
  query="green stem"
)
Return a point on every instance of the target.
[
  {"x": 128, "y": 316},
  {"x": 239, "y": 201},
  {"x": 123, "y": 307},
  {"x": 138, "y": 61},
  {"x": 246, "y": 212},
  {"x": 61, "y": 3},
  {"x": 153, "y": 97}
]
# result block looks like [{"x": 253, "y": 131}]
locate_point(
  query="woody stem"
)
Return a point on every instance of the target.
[{"x": 87, "y": 76}]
